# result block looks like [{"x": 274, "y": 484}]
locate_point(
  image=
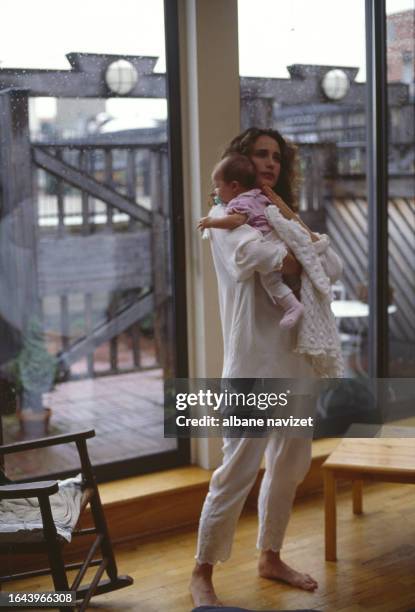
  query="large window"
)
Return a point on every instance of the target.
[
  {"x": 401, "y": 186},
  {"x": 88, "y": 287},
  {"x": 301, "y": 74},
  {"x": 309, "y": 83}
]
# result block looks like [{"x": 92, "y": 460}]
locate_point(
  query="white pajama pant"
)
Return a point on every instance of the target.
[{"x": 287, "y": 461}]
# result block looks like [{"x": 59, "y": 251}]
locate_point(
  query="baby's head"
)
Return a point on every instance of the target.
[{"x": 232, "y": 176}]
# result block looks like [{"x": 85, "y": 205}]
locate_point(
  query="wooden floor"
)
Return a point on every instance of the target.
[
  {"x": 375, "y": 570},
  {"x": 125, "y": 410}
]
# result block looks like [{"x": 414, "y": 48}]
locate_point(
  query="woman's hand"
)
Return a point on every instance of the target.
[
  {"x": 276, "y": 200},
  {"x": 291, "y": 265},
  {"x": 286, "y": 211}
]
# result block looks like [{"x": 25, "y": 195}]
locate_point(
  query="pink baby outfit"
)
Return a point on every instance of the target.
[{"x": 251, "y": 203}]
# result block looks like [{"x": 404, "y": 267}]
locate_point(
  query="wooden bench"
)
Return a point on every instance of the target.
[{"x": 359, "y": 459}]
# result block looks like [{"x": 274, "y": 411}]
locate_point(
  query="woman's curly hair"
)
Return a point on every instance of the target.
[{"x": 288, "y": 181}]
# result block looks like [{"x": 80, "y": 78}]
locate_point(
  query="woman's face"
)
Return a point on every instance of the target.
[{"x": 266, "y": 156}]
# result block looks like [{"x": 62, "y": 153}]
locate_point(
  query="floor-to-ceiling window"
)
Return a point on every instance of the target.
[
  {"x": 300, "y": 74},
  {"x": 89, "y": 230},
  {"x": 400, "y": 58},
  {"x": 303, "y": 71}
]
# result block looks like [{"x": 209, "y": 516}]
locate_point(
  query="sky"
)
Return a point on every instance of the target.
[
  {"x": 272, "y": 35},
  {"x": 276, "y": 33}
]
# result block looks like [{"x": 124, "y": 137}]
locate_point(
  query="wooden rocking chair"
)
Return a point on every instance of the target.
[{"x": 50, "y": 542}]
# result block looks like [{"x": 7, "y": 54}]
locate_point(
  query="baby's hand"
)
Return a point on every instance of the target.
[{"x": 203, "y": 223}]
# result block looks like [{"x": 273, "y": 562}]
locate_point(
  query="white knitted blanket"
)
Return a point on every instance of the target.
[{"x": 317, "y": 335}]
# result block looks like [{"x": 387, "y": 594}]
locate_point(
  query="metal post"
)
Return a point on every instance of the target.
[
  {"x": 377, "y": 187},
  {"x": 18, "y": 227},
  {"x": 176, "y": 195}
]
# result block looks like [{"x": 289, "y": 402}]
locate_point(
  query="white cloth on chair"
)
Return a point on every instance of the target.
[{"x": 20, "y": 519}]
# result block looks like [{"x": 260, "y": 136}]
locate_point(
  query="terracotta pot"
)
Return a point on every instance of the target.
[{"x": 34, "y": 423}]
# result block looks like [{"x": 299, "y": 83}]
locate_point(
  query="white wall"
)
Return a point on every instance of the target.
[{"x": 210, "y": 119}]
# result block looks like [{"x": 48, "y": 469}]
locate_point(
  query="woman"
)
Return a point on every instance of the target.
[{"x": 255, "y": 346}]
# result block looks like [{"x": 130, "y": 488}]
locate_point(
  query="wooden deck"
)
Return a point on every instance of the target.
[{"x": 126, "y": 412}]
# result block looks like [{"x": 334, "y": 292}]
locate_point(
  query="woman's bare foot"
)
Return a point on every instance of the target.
[
  {"x": 270, "y": 566},
  {"x": 201, "y": 586}
]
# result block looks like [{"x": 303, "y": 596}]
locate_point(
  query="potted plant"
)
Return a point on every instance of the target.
[
  {"x": 34, "y": 372},
  {"x": 7, "y": 401}
]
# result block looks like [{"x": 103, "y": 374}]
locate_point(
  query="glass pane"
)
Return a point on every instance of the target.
[
  {"x": 308, "y": 82},
  {"x": 401, "y": 206},
  {"x": 90, "y": 321}
]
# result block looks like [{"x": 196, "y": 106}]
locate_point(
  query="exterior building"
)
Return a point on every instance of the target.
[
  {"x": 73, "y": 116},
  {"x": 400, "y": 56},
  {"x": 324, "y": 104}
]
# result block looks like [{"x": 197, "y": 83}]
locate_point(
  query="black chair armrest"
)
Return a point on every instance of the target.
[
  {"x": 30, "y": 489},
  {"x": 17, "y": 447}
]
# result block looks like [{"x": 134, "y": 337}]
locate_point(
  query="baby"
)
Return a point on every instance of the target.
[{"x": 234, "y": 178}]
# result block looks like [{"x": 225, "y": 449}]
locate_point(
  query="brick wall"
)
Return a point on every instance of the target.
[{"x": 400, "y": 46}]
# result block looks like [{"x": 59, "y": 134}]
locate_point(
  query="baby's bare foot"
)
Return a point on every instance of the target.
[{"x": 293, "y": 311}]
